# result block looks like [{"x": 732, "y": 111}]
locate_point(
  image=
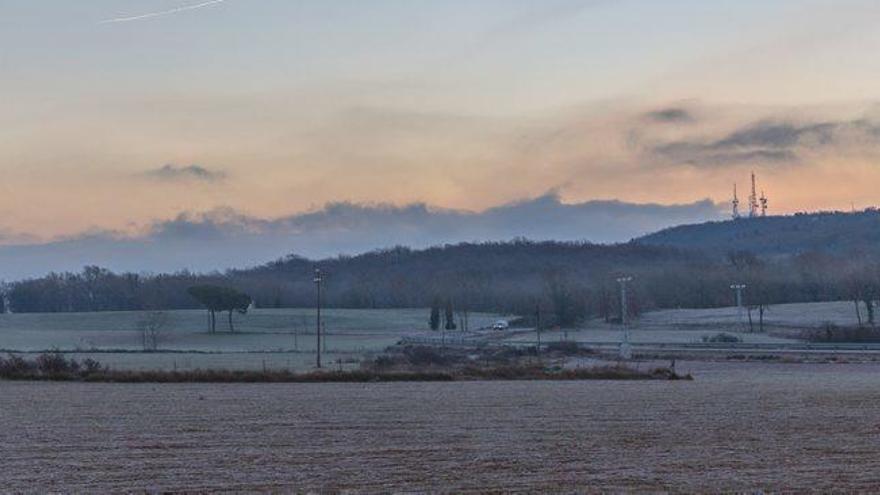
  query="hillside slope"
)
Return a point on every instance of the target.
[
  {"x": 823, "y": 232},
  {"x": 487, "y": 275},
  {"x": 684, "y": 266}
]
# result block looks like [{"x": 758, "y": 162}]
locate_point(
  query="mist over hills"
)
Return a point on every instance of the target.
[{"x": 224, "y": 239}]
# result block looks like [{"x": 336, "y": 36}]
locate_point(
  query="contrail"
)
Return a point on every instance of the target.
[{"x": 162, "y": 13}]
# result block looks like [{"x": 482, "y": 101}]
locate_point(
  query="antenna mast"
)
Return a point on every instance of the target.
[
  {"x": 735, "y": 203},
  {"x": 763, "y": 204},
  {"x": 753, "y": 199}
]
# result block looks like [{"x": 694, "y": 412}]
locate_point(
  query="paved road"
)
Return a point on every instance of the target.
[{"x": 669, "y": 347}]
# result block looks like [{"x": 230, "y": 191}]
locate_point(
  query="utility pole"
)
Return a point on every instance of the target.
[
  {"x": 625, "y": 350},
  {"x": 623, "y": 312},
  {"x": 739, "y": 301},
  {"x": 318, "y": 280},
  {"x": 538, "y": 325}
]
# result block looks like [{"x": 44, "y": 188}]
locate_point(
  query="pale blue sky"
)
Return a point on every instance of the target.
[{"x": 512, "y": 53}]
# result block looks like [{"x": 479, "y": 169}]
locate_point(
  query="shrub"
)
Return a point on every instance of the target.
[
  {"x": 425, "y": 356},
  {"x": 56, "y": 363},
  {"x": 53, "y": 366},
  {"x": 564, "y": 347},
  {"x": 16, "y": 366},
  {"x": 49, "y": 365},
  {"x": 721, "y": 338},
  {"x": 829, "y": 332},
  {"x": 385, "y": 361},
  {"x": 91, "y": 366}
]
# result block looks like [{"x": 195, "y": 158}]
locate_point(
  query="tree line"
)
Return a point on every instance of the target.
[{"x": 565, "y": 282}]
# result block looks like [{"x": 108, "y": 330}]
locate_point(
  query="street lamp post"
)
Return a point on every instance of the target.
[
  {"x": 625, "y": 349},
  {"x": 739, "y": 301},
  {"x": 318, "y": 280},
  {"x": 623, "y": 313}
]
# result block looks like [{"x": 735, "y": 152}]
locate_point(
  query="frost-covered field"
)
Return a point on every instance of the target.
[
  {"x": 737, "y": 427},
  {"x": 691, "y": 325},
  {"x": 252, "y": 361},
  {"x": 784, "y": 315},
  {"x": 272, "y": 338},
  {"x": 260, "y": 329}
]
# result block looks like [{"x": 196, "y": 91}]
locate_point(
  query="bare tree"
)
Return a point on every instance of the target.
[{"x": 152, "y": 329}]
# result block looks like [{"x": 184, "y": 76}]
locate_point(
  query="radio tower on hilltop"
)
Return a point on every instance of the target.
[
  {"x": 735, "y": 203},
  {"x": 757, "y": 205},
  {"x": 753, "y": 199}
]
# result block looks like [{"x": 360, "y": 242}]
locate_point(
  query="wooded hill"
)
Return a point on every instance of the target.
[
  {"x": 489, "y": 276},
  {"x": 799, "y": 258},
  {"x": 827, "y": 232}
]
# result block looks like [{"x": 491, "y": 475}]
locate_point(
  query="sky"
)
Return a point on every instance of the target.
[{"x": 120, "y": 117}]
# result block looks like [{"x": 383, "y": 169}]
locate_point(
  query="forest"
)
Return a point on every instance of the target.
[{"x": 566, "y": 282}]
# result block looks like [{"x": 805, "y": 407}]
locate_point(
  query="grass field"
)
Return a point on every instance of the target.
[
  {"x": 259, "y": 330},
  {"x": 285, "y": 339},
  {"x": 793, "y": 316},
  {"x": 271, "y": 338},
  {"x": 782, "y": 324},
  {"x": 246, "y": 361},
  {"x": 784, "y": 427}
]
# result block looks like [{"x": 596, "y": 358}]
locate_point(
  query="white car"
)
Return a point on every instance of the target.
[{"x": 500, "y": 325}]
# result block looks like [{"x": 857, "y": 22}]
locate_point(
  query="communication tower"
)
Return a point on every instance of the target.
[
  {"x": 735, "y": 203},
  {"x": 757, "y": 205},
  {"x": 753, "y": 199}
]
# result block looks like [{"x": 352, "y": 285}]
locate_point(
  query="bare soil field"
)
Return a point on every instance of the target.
[{"x": 738, "y": 426}]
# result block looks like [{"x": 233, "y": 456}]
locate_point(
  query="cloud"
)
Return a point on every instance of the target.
[
  {"x": 771, "y": 141},
  {"x": 226, "y": 238},
  {"x": 162, "y": 12},
  {"x": 172, "y": 172},
  {"x": 774, "y": 135},
  {"x": 671, "y": 116},
  {"x": 11, "y": 237},
  {"x": 807, "y": 158}
]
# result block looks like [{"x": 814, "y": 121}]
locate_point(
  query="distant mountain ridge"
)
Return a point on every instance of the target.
[
  {"x": 224, "y": 238},
  {"x": 829, "y": 232}
]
